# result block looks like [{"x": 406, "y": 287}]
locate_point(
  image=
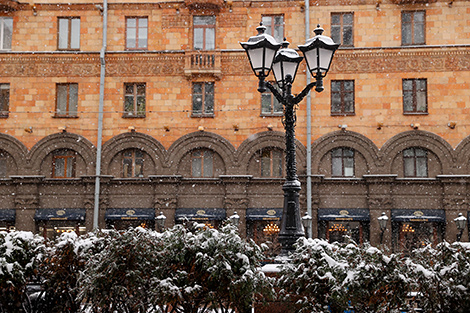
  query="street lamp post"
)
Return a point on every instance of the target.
[
  {"x": 383, "y": 219},
  {"x": 262, "y": 51},
  {"x": 460, "y": 221}
]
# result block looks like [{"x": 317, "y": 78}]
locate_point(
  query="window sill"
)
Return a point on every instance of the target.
[
  {"x": 132, "y": 116},
  {"x": 202, "y": 115},
  {"x": 271, "y": 114},
  {"x": 64, "y": 116},
  {"x": 343, "y": 114},
  {"x": 70, "y": 50},
  {"x": 415, "y": 113},
  {"x": 3, "y": 115}
]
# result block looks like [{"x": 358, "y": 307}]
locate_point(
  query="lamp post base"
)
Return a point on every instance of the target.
[{"x": 291, "y": 223}]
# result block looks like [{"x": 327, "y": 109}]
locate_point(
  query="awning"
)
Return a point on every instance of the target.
[
  {"x": 200, "y": 214},
  {"x": 7, "y": 215},
  {"x": 428, "y": 215},
  {"x": 343, "y": 215},
  {"x": 60, "y": 215},
  {"x": 253, "y": 214},
  {"x": 130, "y": 214}
]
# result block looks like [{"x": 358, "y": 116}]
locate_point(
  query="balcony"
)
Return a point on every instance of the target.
[
  {"x": 412, "y": 1},
  {"x": 9, "y": 5},
  {"x": 202, "y": 63},
  {"x": 204, "y": 4}
]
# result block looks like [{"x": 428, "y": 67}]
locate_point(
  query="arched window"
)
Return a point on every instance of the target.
[
  {"x": 133, "y": 163},
  {"x": 342, "y": 162},
  {"x": 415, "y": 162},
  {"x": 271, "y": 163},
  {"x": 202, "y": 163},
  {"x": 63, "y": 163}
]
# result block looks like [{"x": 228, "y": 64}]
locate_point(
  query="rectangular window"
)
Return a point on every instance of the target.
[
  {"x": 63, "y": 164},
  {"x": 274, "y": 26},
  {"x": 204, "y": 32},
  {"x": 136, "y": 32},
  {"x": 203, "y": 99},
  {"x": 270, "y": 105},
  {"x": 134, "y": 100},
  {"x": 415, "y": 96},
  {"x": 342, "y": 162},
  {"x": 6, "y": 31},
  {"x": 415, "y": 162},
  {"x": 4, "y": 100},
  {"x": 342, "y": 97},
  {"x": 67, "y": 100},
  {"x": 202, "y": 163},
  {"x": 271, "y": 163},
  {"x": 133, "y": 161},
  {"x": 342, "y": 28},
  {"x": 413, "y": 28},
  {"x": 69, "y": 33}
]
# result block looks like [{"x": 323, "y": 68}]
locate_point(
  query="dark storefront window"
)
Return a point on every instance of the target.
[
  {"x": 412, "y": 229},
  {"x": 263, "y": 226},
  {"x": 337, "y": 225},
  {"x": 211, "y": 217},
  {"x": 124, "y": 218},
  {"x": 51, "y": 223},
  {"x": 7, "y": 219}
]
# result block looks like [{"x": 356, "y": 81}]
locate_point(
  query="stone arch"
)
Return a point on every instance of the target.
[
  {"x": 17, "y": 152},
  {"x": 198, "y": 140},
  {"x": 268, "y": 139},
  {"x": 462, "y": 159},
  {"x": 82, "y": 146},
  {"x": 361, "y": 144},
  {"x": 418, "y": 138},
  {"x": 134, "y": 140}
]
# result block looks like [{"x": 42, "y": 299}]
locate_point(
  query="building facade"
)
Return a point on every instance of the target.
[{"x": 167, "y": 105}]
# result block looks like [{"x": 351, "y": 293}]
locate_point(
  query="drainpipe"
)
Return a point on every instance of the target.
[
  {"x": 96, "y": 209},
  {"x": 309, "y": 126}
]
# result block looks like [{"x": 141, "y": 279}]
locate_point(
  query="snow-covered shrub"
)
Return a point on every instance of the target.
[
  {"x": 118, "y": 271},
  {"x": 313, "y": 277},
  {"x": 375, "y": 282},
  {"x": 442, "y": 277},
  {"x": 201, "y": 269},
  {"x": 64, "y": 260},
  {"x": 19, "y": 256}
]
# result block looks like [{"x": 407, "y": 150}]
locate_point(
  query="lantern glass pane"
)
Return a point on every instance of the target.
[
  {"x": 325, "y": 58},
  {"x": 311, "y": 58},
  {"x": 256, "y": 59}
]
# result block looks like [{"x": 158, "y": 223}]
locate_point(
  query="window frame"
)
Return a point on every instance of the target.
[
  {"x": 342, "y": 27},
  {"x": 135, "y": 113},
  {"x": 271, "y": 152},
  {"x": 4, "y": 104},
  {"x": 343, "y": 159},
  {"x": 204, "y": 27},
  {"x": 342, "y": 93},
  {"x": 70, "y": 33},
  {"x": 203, "y": 158},
  {"x": 413, "y": 25},
  {"x": 270, "y": 27},
  {"x": 273, "y": 103},
  {"x": 67, "y": 156},
  {"x": 414, "y": 96},
  {"x": 137, "y": 28},
  {"x": 133, "y": 158},
  {"x": 416, "y": 162},
  {"x": 2, "y": 33},
  {"x": 204, "y": 103},
  {"x": 67, "y": 113}
]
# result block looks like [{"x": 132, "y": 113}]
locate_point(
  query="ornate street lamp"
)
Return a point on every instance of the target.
[
  {"x": 318, "y": 51},
  {"x": 306, "y": 222},
  {"x": 160, "y": 221},
  {"x": 383, "y": 219},
  {"x": 234, "y": 219},
  {"x": 460, "y": 221}
]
